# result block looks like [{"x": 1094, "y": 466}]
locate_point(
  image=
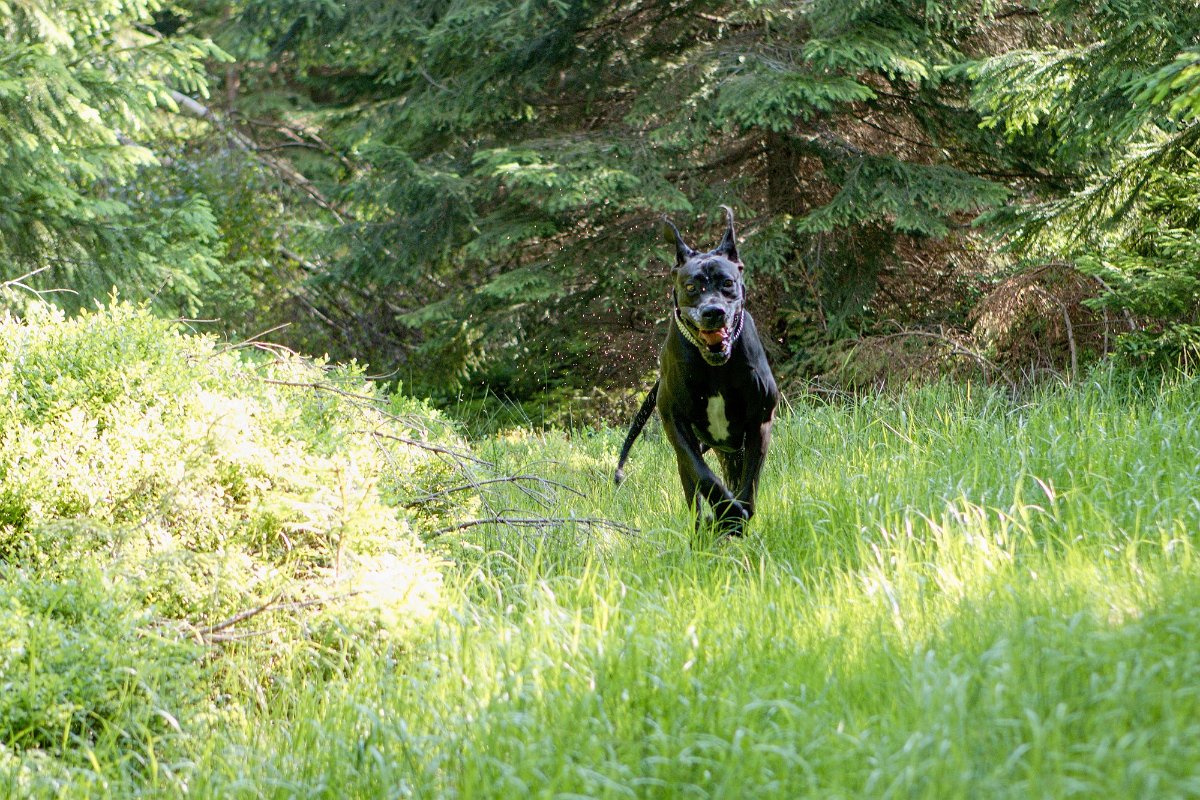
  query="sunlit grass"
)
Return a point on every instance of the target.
[{"x": 946, "y": 594}]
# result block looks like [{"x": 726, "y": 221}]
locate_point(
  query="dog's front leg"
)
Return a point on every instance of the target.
[
  {"x": 697, "y": 477},
  {"x": 758, "y": 440},
  {"x": 691, "y": 487}
]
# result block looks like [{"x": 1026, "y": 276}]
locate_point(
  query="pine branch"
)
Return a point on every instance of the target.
[{"x": 290, "y": 175}]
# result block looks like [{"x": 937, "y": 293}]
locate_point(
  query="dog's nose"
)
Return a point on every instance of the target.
[{"x": 712, "y": 316}]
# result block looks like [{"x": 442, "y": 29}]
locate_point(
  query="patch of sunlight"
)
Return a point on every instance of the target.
[
  {"x": 403, "y": 590},
  {"x": 973, "y": 543}
]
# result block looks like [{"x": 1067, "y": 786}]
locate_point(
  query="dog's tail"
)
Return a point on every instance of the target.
[{"x": 639, "y": 422}]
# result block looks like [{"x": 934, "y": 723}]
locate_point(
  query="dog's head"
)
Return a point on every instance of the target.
[{"x": 709, "y": 293}]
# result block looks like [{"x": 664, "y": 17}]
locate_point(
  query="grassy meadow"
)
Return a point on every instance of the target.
[{"x": 946, "y": 593}]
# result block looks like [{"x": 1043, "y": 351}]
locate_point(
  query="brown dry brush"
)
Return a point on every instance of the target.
[
  {"x": 1026, "y": 326},
  {"x": 1038, "y": 321}
]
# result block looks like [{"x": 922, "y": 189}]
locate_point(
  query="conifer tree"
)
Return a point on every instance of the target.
[
  {"x": 88, "y": 194},
  {"x": 1108, "y": 97},
  {"x": 471, "y": 190},
  {"x": 501, "y": 165}
]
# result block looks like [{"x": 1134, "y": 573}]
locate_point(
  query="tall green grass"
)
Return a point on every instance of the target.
[{"x": 946, "y": 594}]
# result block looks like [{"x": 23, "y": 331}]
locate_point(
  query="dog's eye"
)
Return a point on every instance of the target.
[
  {"x": 691, "y": 287},
  {"x": 728, "y": 283}
]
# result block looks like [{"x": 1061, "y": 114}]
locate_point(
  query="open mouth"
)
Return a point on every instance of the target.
[
  {"x": 715, "y": 339},
  {"x": 715, "y": 344}
]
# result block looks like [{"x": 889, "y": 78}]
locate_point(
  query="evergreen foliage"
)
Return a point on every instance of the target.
[
  {"x": 510, "y": 160},
  {"x": 470, "y": 192},
  {"x": 87, "y": 187},
  {"x": 1108, "y": 99}
]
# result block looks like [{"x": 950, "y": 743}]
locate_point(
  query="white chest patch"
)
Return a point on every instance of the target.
[{"x": 718, "y": 423}]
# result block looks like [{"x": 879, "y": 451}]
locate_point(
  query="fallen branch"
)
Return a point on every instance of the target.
[
  {"x": 241, "y": 616},
  {"x": 515, "y": 479},
  {"x": 538, "y": 522},
  {"x": 252, "y": 341},
  {"x": 366, "y": 401},
  {"x": 325, "y": 387},
  {"x": 463, "y": 462},
  {"x": 215, "y": 632},
  {"x": 432, "y": 448},
  {"x": 19, "y": 283}
]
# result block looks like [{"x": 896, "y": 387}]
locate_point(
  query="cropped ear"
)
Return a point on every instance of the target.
[
  {"x": 682, "y": 251},
  {"x": 728, "y": 245}
]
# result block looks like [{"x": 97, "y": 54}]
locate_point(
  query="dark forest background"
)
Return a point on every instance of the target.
[{"x": 466, "y": 196}]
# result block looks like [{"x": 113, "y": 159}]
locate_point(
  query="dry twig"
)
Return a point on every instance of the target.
[
  {"x": 538, "y": 523},
  {"x": 220, "y": 631}
]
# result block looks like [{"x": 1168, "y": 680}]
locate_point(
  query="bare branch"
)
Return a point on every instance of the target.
[
  {"x": 514, "y": 479},
  {"x": 466, "y": 464},
  {"x": 286, "y": 171},
  {"x": 539, "y": 523},
  {"x": 217, "y": 632},
  {"x": 241, "y": 616},
  {"x": 19, "y": 283},
  {"x": 433, "y": 448}
]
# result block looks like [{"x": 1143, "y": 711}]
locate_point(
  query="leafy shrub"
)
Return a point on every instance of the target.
[
  {"x": 155, "y": 487},
  {"x": 81, "y": 664},
  {"x": 118, "y": 417}
]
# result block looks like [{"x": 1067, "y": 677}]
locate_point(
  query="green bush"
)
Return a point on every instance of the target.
[
  {"x": 81, "y": 666},
  {"x": 119, "y": 418},
  {"x": 155, "y": 485}
]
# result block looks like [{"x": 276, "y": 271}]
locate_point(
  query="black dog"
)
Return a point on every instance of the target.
[{"x": 715, "y": 388}]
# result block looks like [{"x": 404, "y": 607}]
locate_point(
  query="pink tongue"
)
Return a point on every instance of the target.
[{"x": 712, "y": 337}]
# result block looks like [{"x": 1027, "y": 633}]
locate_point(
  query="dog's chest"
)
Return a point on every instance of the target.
[{"x": 718, "y": 420}]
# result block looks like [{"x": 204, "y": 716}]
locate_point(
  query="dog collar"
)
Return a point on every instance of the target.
[{"x": 715, "y": 359}]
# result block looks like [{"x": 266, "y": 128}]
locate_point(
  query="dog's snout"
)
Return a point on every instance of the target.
[{"x": 712, "y": 316}]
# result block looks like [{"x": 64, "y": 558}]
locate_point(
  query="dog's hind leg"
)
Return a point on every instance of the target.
[
  {"x": 732, "y": 465},
  {"x": 691, "y": 493},
  {"x": 758, "y": 440}
]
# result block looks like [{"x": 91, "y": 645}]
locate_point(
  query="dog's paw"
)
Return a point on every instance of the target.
[
  {"x": 732, "y": 511},
  {"x": 732, "y": 517}
]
